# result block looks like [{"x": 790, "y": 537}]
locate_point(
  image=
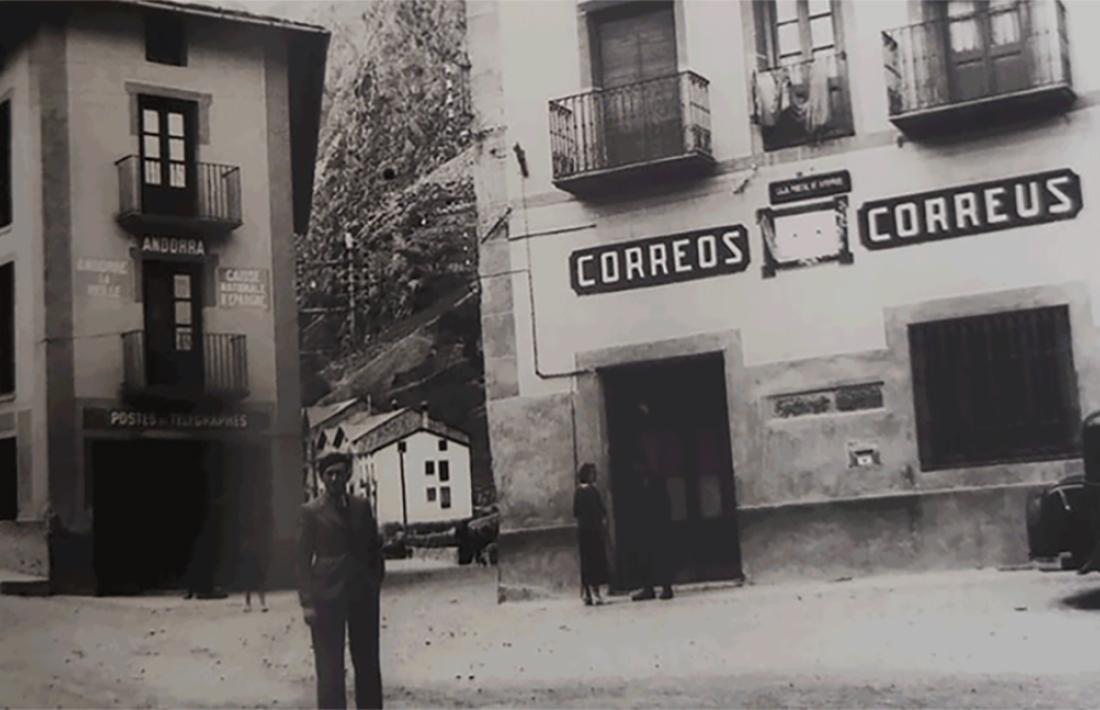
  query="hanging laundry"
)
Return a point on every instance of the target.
[
  {"x": 768, "y": 94},
  {"x": 817, "y": 110}
]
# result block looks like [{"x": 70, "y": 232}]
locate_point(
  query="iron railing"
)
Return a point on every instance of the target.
[
  {"x": 215, "y": 197},
  {"x": 916, "y": 57},
  {"x": 639, "y": 123},
  {"x": 224, "y": 366}
]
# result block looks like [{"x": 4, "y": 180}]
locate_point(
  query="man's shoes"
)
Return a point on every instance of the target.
[
  {"x": 666, "y": 593},
  {"x": 643, "y": 595}
]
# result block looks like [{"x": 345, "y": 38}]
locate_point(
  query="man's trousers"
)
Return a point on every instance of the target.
[{"x": 360, "y": 617}]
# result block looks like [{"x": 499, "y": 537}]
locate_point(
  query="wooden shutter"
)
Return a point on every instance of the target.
[
  {"x": 7, "y": 328},
  {"x": 635, "y": 43},
  {"x": 5, "y": 163}
]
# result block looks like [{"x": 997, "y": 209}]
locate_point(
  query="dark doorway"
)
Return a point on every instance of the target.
[
  {"x": 158, "y": 507},
  {"x": 671, "y": 419},
  {"x": 9, "y": 480},
  {"x": 172, "y": 293}
]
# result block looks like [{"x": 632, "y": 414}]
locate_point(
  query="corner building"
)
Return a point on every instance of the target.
[
  {"x": 826, "y": 267},
  {"x": 157, "y": 160}
]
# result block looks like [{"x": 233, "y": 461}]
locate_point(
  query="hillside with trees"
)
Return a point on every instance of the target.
[{"x": 387, "y": 275}]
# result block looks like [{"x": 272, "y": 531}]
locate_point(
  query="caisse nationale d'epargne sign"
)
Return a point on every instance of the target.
[
  {"x": 970, "y": 209},
  {"x": 660, "y": 260}
]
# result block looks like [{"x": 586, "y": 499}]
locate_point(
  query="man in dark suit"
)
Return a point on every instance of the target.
[
  {"x": 655, "y": 530},
  {"x": 341, "y": 568}
]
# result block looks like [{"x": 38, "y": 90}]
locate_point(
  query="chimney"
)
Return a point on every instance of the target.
[
  {"x": 370, "y": 409},
  {"x": 424, "y": 413}
]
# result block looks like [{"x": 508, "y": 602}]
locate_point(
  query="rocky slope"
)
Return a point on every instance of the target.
[{"x": 393, "y": 235}]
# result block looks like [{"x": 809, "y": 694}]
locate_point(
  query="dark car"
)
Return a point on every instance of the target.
[{"x": 1060, "y": 521}]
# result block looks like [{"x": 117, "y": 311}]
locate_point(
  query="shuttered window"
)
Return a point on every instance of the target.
[
  {"x": 639, "y": 102},
  {"x": 9, "y": 480},
  {"x": 7, "y": 328},
  {"x": 5, "y": 163},
  {"x": 635, "y": 43},
  {"x": 995, "y": 388}
]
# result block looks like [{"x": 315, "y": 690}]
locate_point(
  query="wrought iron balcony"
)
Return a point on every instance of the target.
[
  {"x": 1001, "y": 62},
  {"x": 207, "y": 201},
  {"x": 610, "y": 138},
  {"x": 217, "y": 372}
]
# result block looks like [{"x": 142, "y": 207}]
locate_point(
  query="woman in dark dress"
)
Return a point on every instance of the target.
[{"x": 590, "y": 514}]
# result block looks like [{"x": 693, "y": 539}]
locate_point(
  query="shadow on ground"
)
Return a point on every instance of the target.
[{"x": 1083, "y": 601}]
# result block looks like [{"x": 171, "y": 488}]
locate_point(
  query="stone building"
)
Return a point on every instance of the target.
[
  {"x": 157, "y": 160},
  {"x": 824, "y": 266}
]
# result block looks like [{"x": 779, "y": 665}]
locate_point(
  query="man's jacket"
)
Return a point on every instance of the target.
[{"x": 339, "y": 551}]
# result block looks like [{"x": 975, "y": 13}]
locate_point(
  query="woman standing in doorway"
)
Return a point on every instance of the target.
[{"x": 590, "y": 513}]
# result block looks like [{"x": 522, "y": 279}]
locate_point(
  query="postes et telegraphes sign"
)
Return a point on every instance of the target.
[
  {"x": 970, "y": 209},
  {"x": 660, "y": 260},
  {"x": 139, "y": 420},
  {"x": 811, "y": 186}
]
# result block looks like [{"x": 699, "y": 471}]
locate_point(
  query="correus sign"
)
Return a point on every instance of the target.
[{"x": 970, "y": 209}]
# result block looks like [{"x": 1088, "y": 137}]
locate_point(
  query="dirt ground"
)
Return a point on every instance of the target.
[{"x": 969, "y": 639}]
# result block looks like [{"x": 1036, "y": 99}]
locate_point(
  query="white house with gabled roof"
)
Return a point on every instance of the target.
[{"x": 414, "y": 468}]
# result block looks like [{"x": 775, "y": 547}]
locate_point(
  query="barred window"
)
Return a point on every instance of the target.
[{"x": 995, "y": 388}]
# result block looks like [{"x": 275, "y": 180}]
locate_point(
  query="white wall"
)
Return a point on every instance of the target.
[
  {"x": 421, "y": 447},
  {"x": 810, "y": 312},
  {"x": 106, "y": 50}
]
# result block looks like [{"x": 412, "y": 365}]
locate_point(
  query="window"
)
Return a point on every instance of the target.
[
  {"x": 165, "y": 39},
  {"x": 431, "y": 495},
  {"x": 9, "y": 480},
  {"x": 995, "y": 388},
  {"x": 800, "y": 86},
  {"x": 986, "y": 46},
  {"x": 442, "y": 444},
  {"x": 7, "y": 328},
  {"x": 444, "y": 471},
  {"x": 5, "y": 164},
  {"x": 445, "y": 497},
  {"x": 429, "y": 468}
]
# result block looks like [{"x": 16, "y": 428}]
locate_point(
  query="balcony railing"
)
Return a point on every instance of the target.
[
  {"x": 208, "y": 205},
  {"x": 220, "y": 370},
  {"x": 789, "y": 109},
  {"x": 602, "y": 136},
  {"x": 978, "y": 64}
]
